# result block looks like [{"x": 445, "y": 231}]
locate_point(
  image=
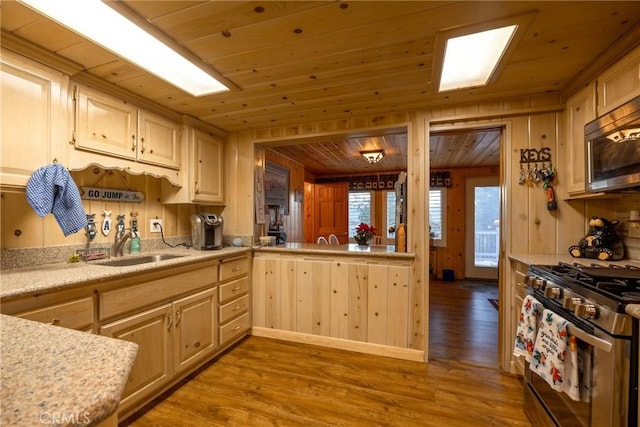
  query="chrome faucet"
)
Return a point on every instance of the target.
[{"x": 117, "y": 249}]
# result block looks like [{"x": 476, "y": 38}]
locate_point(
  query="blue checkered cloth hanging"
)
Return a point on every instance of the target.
[{"x": 51, "y": 189}]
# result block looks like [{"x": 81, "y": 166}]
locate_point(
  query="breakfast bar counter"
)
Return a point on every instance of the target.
[
  {"x": 57, "y": 376},
  {"x": 350, "y": 250}
]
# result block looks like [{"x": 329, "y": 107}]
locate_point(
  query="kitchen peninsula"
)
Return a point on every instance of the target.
[
  {"x": 341, "y": 296},
  {"x": 178, "y": 313}
]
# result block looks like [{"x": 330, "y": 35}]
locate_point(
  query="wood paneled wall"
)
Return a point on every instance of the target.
[
  {"x": 22, "y": 228},
  {"x": 294, "y": 221}
]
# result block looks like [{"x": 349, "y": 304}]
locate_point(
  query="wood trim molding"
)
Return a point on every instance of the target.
[{"x": 341, "y": 344}]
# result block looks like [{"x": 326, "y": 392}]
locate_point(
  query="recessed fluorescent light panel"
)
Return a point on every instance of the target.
[
  {"x": 470, "y": 60},
  {"x": 98, "y": 22}
]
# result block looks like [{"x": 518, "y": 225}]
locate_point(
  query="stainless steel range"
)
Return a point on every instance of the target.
[{"x": 593, "y": 299}]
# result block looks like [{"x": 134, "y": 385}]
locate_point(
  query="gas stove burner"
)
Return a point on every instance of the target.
[{"x": 632, "y": 296}]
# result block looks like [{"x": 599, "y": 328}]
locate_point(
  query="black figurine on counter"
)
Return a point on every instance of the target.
[{"x": 601, "y": 242}]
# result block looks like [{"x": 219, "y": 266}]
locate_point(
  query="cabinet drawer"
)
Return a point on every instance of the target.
[
  {"x": 234, "y": 268},
  {"x": 134, "y": 297},
  {"x": 234, "y": 289},
  {"x": 76, "y": 314},
  {"x": 234, "y": 308},
  {"x": 234, "y": 328}
]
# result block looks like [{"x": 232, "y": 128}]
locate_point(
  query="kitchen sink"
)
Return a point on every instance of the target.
[{"x": 122, "y": 262}]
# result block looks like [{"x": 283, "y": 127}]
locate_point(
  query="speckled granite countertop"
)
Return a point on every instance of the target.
[
  {"x": 54, "y": 374},
  {"x": 348, "y": 250},
  {"x": 47, "y": 277},
  {"x": 546, "y": 259}
]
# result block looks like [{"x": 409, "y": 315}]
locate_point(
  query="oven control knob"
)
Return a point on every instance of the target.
[
  {"x": 571, "y": 303},
  {"x": 534, "y": 282},
  {"x": 552, "y": 292},
  {"x": 586, "y": 311}
]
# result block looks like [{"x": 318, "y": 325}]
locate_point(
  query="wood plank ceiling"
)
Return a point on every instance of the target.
[{"x": 295, "y": 62}]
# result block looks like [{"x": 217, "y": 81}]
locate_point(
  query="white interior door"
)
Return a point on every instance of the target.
[{"x": 482, "y": 227}]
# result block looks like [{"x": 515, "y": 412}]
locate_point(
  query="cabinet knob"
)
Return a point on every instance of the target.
[
  {"x": 55, "y": 322},
  {"x": 236, "y": 269}
]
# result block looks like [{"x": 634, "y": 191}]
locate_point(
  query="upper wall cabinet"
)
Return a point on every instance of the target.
[
  {"x": 580, "y": 111},
  {"x": 33, "y": 118},
  {"x": 203, "y": 180},
  {"x": 109, "y": 130},
  {"x": 620, "y": 83}
]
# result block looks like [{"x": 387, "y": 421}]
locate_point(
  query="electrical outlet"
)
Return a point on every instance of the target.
[
  {"x": 155, "y": 226},
  {"x": 634, "y": 229}
]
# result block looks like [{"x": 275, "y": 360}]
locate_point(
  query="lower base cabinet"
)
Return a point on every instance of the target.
[
  {"x": 151, "y": 330},
  {"x": 170, "y": 338},
  {"x": 357, "y": 300}
]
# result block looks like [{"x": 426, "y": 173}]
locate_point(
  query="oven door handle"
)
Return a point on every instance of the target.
[{"x": 598, "y": 343}]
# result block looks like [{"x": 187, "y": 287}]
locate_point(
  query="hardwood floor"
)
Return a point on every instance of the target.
[
  {"x": 265, "y": 382},
  {"x": 463, "y": 325}
]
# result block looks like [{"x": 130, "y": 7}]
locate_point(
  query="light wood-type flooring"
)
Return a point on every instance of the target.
[{"x": 265, "y": 382}]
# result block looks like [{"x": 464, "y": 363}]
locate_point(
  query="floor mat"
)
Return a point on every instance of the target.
[{"x": 493, "y": 302}]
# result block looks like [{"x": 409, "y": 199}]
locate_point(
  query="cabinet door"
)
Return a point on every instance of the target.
[
  {"x": 209, "y": 162},
  {"x": 32, "y": 116},
  {"x": 151, "y": 330},
  {"x": 105, "y": 124},
  {"x": 158, "y": 140},
  {"x": 619, "y": 83},
  {"x": 580, "y": 110},
  {"x": 195, "y": 332}
]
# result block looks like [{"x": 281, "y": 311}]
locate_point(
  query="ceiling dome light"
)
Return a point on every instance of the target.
[{"x": 373, "y": 156}]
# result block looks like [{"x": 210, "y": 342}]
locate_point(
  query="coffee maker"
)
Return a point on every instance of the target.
[{"x": 206, "y": 231}]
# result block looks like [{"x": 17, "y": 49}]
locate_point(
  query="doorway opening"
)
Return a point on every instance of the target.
[{"x": 464, "y": 311}]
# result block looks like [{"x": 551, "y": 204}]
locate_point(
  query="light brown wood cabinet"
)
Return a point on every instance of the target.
[
  {"x": 195, "y": 332},
  {"x": 172, "y": 316},
  {"x": 619, "y": 83},
  {"x": 76, "y": 314},
  {"x": 580, "y": 110},
  {"x": 203, "y": 181},
  {"x": 73, "y": 309},
  {"x": 348, "y": 299},
  {"x": 152, "y": 370},
  {"x": 33, "y": 114},
  {"x": 234, "y": 297},
  {"x": 114, "y": 133},
  {"x": 518, "y": 273}
]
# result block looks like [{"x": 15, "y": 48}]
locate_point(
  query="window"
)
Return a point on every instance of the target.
[
  {"x": 359, "y": 210},
  {"x": 437, "y": 216}
]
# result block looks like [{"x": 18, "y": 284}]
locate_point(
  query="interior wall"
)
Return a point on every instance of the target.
[
  {"x": 293, "y": 221},
  {"x": 452, "y": 255},
  {"x": 23, "y": 228}
]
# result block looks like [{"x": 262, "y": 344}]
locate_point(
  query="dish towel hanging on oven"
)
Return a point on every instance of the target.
[
  {"x": 51, "y": 189},
  {"x": 549, "y": 350},
  {"x": 527, "y": 327},
  {"x": 578, "y": 370}
]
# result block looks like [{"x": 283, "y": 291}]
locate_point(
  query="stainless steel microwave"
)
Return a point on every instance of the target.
[{"x": 613, "y": 149}]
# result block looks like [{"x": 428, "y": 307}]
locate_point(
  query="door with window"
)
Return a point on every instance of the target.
[{"x": 482, "y": 227}]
